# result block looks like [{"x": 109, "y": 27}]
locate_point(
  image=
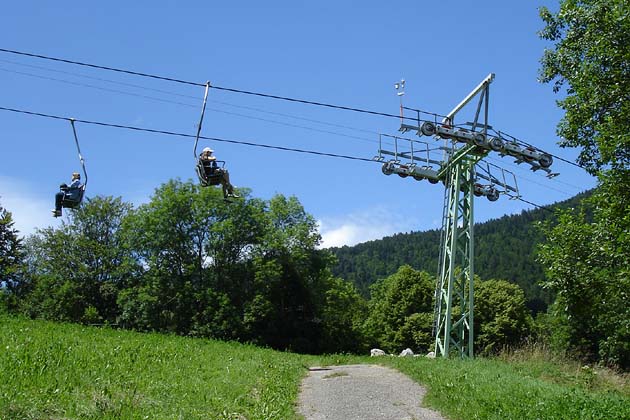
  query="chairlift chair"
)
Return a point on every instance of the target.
[
  {"x": 208, "y": 175},
  {"x": 73, "y": 201},
  {"x": 210, "y": 172}
]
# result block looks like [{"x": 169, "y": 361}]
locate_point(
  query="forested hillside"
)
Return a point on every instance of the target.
[{"x": 504, "y": 249}]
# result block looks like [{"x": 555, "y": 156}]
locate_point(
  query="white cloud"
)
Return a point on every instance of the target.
[
  {"x": 352, "y": 233},
  {"x": 29, "y": 209},
  {"x": 361, "y": 227}
]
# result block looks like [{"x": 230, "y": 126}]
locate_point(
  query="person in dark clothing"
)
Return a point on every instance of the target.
[
  {"x": 70, "y": 194},
  {"x": 212, "y": 170}
]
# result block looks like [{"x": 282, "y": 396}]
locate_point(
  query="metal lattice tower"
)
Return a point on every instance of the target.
[
  {"x": 461, "y": 170},
  {"x": 455, "y": 289}
]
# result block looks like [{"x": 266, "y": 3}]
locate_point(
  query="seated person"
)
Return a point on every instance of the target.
[
  {"x": 211, "y": 169},
  {"x": 71, "y": 194}
]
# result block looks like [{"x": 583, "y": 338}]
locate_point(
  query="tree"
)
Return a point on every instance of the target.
[
  {"x": 11, "y": 258},
  {"x": 588, "y": 264},
  {"x": 401, "y": 311},
  {"x": 184, "y": 241},
  {"x": 248, "y": 270},
  {"x": 501, "y": 316},
  {"x": 188, "y": 262},
  {"x": 344, "y": 311},
  {"x": 590, "y": 57},
  {"x": 79, "y": 269},
  {"x": 291, "y": 278}
]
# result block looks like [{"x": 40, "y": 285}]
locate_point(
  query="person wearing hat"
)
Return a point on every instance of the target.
[
  {"x": 70, "y": 193},
  {"x": 209, "y": 163}
]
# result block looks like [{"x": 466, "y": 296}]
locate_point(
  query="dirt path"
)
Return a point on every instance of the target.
[{"x": 362, "y": 392}]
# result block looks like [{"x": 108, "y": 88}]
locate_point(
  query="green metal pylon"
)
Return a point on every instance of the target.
[
  {"x": 455, "y": 302},
  {"x": 455, "y": 298},
  {"x": 462, "y": 174}
]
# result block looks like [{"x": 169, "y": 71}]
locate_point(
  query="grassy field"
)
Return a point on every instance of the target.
[
  {"x": 529, "y": 389},
  {"x": 59, "y": 371}
]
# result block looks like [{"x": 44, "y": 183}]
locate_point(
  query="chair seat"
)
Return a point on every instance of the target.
[
  {"x": 207, "y": 180},
  {"x": 71, "y": 203}
]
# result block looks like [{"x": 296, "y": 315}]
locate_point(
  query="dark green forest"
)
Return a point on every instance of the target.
[{"x": 505, "y": 248}]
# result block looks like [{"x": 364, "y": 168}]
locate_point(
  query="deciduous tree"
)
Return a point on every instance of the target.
[
  {"x": 588, "y": 264},
  {"x": 401, "y": 311},
  {"x": 78, "y": 269},
  {"x": 11, "y": 259},
  {"x": 501, "y": 316},
  {"x": 590, "y": 59}
]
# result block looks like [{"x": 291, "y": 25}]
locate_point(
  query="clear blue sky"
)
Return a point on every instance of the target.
[{"x": 340, "y": 52}]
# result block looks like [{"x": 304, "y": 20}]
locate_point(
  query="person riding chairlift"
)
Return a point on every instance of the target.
[
  {"x": 212, "y": 170},
  {"x": 69, "y": 196}
]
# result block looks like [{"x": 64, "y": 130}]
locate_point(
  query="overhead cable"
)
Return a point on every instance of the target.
[
  {"x": 104, "y": 89},
  {"x": 153, "y": 98},
  {"x": 546, "y": 208},
  {"x": 186, "y": 82},
  {"x": 172, "y": 133},
  {"x": 95, "y": 66},
  {"x": 245, "y": 92},
  {"x": 245, "y": 143},
  {"x": 133, "y": 85},
  {"x": 100, "y": 79}
]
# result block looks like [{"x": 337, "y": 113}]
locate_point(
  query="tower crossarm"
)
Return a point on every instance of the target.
[
  {"x": 463, "y": 153},
  {"x": 482, "y": 86}
]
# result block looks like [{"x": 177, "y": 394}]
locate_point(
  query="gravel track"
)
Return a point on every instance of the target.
[{"x": 362, "y": 392}]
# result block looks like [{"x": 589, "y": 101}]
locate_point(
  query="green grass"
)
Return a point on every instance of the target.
[
  {"x": 56, "y": 371},
  {"x": 498, "y": 389},
  {"x": 62, "y": 371}
]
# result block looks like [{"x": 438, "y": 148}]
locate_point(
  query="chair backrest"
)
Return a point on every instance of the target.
[
  {"x": 73, "y": 202},
  {"x": 201, "y": 173},
  {"x": 206, "y": 174}
]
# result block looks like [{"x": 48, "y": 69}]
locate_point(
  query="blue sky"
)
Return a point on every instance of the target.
[{"x": 339, "y": 52}]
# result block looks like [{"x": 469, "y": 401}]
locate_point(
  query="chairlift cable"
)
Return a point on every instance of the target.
[
  {"x": 95, "y": 66},
  {"x": 210, "y": 109},
  {"x": 296, "y": 100},
  {"x": 546, "y": 208},
  {"x": 186, "y": 82},
  {"x": 171, "y": 133},
  {"x": 523, "y": 170},
  {"x": 303, "y": 101},
  {"x": 201, "y": 137},
  {"x": 170, "y": 79},
  {"x": 166, "y": 92}
]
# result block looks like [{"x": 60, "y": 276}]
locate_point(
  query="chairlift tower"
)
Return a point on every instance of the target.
[{"x": 462, "y": 171}]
